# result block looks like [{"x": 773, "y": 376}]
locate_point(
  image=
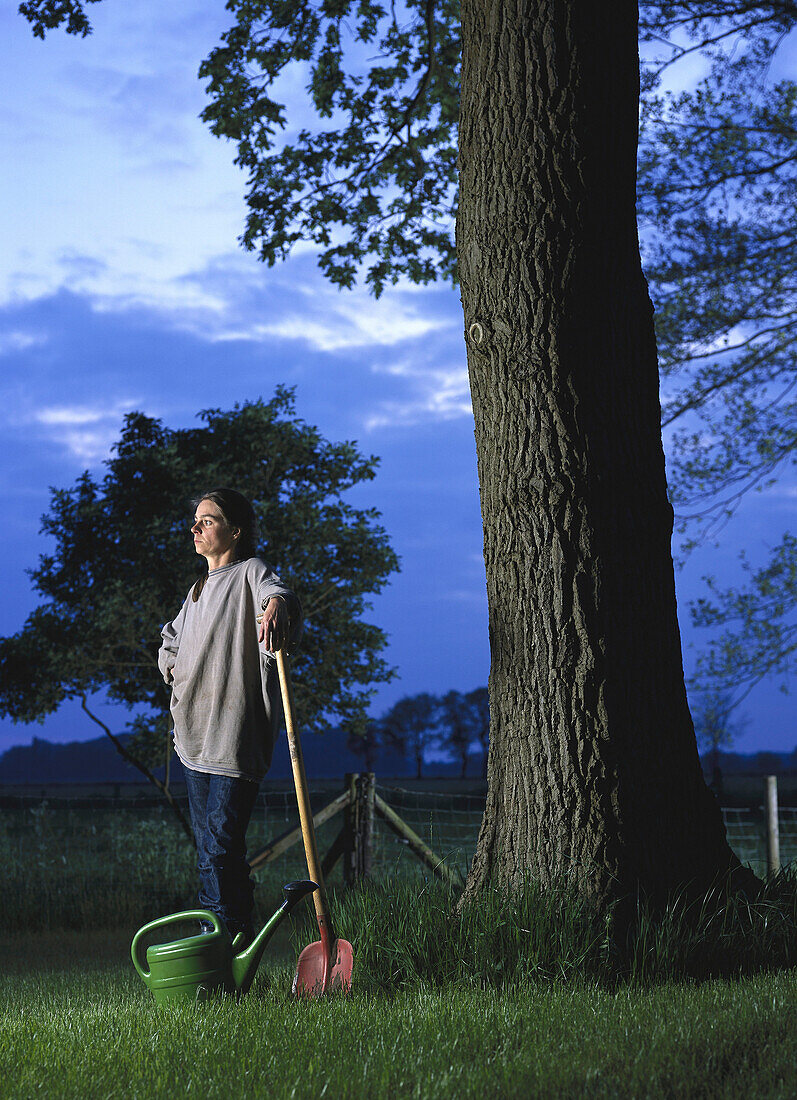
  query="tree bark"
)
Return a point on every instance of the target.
[{"x": 593, "y": 775}]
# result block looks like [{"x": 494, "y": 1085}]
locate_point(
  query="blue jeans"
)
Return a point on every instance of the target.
[{"x": 220, "y": 808}]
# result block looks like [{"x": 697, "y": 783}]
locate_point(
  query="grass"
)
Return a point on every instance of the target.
[
  {"x": 76, "y": 1022},
  {"x": 533, "y": 996},
  {"x": 509, "y": 999}
]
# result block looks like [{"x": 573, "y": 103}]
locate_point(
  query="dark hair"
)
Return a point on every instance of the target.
[{"x": 238, "y": 512}]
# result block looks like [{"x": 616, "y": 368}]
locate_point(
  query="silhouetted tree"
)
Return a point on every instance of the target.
[
  {"x": 410, "y": 726},
  {"x": 367, "y": 743},
  {"x": 716, "y": 728},
  {"x": 458, "y": 727},
  {"x": 479, "y": 701}
]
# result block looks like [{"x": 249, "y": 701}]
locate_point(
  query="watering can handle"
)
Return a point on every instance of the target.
[{"x": 172, "y": 918}]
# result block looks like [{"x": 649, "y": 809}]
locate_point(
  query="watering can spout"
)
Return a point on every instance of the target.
[{"x": 246, "y": 962}]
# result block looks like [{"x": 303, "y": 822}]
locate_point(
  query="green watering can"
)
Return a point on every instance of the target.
[{"x": 193, "y": 968}]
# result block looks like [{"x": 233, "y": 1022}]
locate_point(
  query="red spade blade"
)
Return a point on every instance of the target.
[{"x": 309, "y": 978}]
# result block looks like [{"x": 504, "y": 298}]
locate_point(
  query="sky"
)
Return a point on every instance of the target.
[{"x": 122, "y": 287}]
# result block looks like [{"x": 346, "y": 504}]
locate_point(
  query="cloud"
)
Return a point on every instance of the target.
[
  {"x": 436, "y": 393},
  {"x": 109, "y": 152},
  {"x": 353, "y": 324},
  {"x": 472, "y": 596},
  {"x": 70, "y": 417},
  {"x": 234, "y": 298},
  {"x": 88, "y": 447},
  {"x": 16, "y": 341},
  {"x": 86, "y": 432},
  {"x": 392, "y": 362}
]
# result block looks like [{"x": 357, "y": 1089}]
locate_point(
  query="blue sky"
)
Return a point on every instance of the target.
[{"x": 122, "y": 286}]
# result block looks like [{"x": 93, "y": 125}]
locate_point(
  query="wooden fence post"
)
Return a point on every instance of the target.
[
  {"x": 354, "y": 843},
  {"x": 280, "y": 844},
  {"x": 359, "y": 826},
  {"x": 365, "y": 823},
  {"x": 773, "y": 831},
  {"x": 350, "y": 829}
]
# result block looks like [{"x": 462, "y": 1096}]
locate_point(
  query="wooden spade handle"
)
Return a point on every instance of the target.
[{"x": 303, "y": 795}]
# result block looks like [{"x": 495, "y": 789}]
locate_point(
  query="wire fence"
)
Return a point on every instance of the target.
[
  {"x": 449, "y": 823},
  {"x": 746, "y": 831},
  {"x": 115, "y": 843}
]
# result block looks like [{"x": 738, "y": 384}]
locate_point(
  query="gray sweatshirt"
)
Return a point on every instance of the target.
[{"x": 225, "y": 689}]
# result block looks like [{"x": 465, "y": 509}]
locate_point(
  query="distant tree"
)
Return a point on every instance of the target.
[
  {"x": 716, "y": 728},
  {"x": 479, "y": 701},
  {"x": 367, "y": 743},
  {"x": 123, "y": 561},
  {"x": 457, "y": 723},
  {"x": 410, "y": 726}
]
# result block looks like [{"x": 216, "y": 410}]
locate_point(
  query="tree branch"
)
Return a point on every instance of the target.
[{"x": 131, "y": 759}]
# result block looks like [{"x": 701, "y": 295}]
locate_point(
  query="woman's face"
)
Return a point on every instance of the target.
[{"x": 213, "y": 539}]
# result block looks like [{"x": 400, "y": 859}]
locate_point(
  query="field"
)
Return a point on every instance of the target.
[
  {"x": 76, "y": 1023},
  {"x": 526, "y": 1000}
]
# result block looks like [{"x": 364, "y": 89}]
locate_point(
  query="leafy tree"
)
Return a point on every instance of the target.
[
  {"x": 123, "y": 561},
  {"x": 374, "y": 185},
  {"x": 758, "y": 635},
  {"x": 410, "y": 726},
  {"x": 594, "y": 773},
  {"x": 718, "y": 199}
]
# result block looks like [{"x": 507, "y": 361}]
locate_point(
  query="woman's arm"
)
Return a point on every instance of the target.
[
  {"x": 167, "y": 654},
  {"x": 281, "y": 619}
]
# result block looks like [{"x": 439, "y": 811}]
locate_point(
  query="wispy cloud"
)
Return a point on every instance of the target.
[
  {"x": 18, "y": 340},
  {"x": 473, "y": 596},
  {"x": 353, "y": 325},
  {"x": 87, "y": 432},
  {"x": 432, "y": 393},
  {"x": 233, "y": 298},
  {"x": 65, "y": 416},
  {"x": 89, "y": 447}
]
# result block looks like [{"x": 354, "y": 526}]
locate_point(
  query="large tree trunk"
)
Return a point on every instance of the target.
[{"x": 593, "y": 773}]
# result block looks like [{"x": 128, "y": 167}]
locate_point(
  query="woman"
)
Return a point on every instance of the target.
[{"x": 225, "y": 694}]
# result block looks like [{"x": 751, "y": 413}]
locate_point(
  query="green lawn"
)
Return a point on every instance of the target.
[{"x": 77, "y": 1022}]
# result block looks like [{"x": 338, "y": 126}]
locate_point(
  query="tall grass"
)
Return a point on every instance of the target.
[
  {"x": 720, "y": 934},
  {"x": 410, "y": 935},
  {"x": 77, "y": 868}
]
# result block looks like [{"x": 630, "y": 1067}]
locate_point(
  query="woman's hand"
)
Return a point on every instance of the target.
[{"x": 274, "y": 624}]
